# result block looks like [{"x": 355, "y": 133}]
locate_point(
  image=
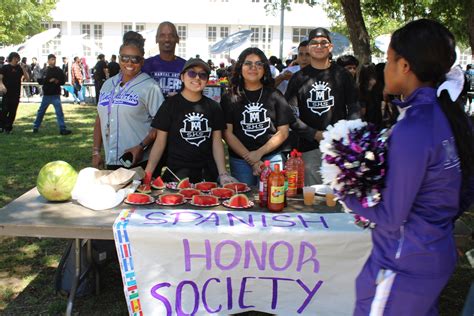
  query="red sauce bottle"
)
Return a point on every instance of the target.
[{"x": 276, "y": 190}]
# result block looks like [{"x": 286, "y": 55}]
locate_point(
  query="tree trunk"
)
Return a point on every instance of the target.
[
  {"x": 470, "y": 28},
  {"x": 357, "y": 30}
]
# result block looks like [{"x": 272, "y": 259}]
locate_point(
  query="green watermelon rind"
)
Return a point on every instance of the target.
[
  {"x": 156, "y": 187},
  {"x": 56, "y": 180},
  {"x": 238, "y": 197},
  {"x": 183, "y": 184}
]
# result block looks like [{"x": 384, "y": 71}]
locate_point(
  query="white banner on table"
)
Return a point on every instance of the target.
[{"x": 189, "y": 262}]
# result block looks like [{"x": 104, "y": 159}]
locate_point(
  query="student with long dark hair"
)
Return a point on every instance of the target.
[
  {"x": 192, "y": 125},
  {"x": 430, "y": 169},
  {"x": 257, "y": 117}
]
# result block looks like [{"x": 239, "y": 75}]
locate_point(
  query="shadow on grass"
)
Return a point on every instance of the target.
[{"x": 28, "y": 256}]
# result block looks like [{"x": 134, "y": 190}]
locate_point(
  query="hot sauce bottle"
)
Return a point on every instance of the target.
[{"x": 276, "y": 190}]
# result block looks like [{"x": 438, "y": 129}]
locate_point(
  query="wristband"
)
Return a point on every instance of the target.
[{"x": 142, "y": 145}]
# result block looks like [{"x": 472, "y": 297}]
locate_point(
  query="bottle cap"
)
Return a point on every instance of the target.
[{"x": 267, "y": 163}]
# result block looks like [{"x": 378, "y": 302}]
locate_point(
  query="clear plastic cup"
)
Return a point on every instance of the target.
[
  {"x": 308, "y": 195},
  {"x": 330, "y": 199}
]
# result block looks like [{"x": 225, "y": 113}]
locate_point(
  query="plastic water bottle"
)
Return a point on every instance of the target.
[
  {"x": 292, "y": 175},
  {"x": 262, "y": 187}
]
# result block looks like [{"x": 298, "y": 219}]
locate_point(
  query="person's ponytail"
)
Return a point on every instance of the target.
[{"x": 462, "y": 129}]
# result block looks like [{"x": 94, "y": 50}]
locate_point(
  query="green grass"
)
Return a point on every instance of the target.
[{"x": 27, "y": 265}]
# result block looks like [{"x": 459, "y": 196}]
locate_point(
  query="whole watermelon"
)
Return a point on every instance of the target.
[{"x": 56, "y": 180}]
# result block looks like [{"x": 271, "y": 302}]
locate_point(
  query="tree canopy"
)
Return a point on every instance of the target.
[
  {"x": 22, "y": 18},
  {"x": 385, "y": 16}
]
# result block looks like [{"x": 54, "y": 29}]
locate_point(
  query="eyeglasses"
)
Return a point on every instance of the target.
[
  {"x": 250, "y": 64},
  {"x": 202, "y": 75},
  {"x": 323, "y": 44},
  {"x": 132, "y": 58}
]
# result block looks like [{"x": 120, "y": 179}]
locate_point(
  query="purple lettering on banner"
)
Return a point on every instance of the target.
[
  {"x": 178, "y": 216},
  {"x": 260, "y": 258},
  {"x": 237, "y": 254},
  {"x": 305, "y": 222},
  {"x": 179, "y": 299},
  {"x": 275, "y": 288},
  {"x": 264, "y": 220},
  {"x": 243, "y": 291},
  {"x": 230, "y": 300},
  {"x": 213, "y": 217},
  {"x": 150, "y": 217},
  {"x": 309, "y": 292},
  {"x": 301, "y": 261},
  {"x": 204, "y": 300},
  {"x": 231, "y": 218},
  {"x": 289, "y": 258},
  {"x": 164, "y": 300},
  {"x": 188, "y": 255},
  {"x": 276, "y": 218}
]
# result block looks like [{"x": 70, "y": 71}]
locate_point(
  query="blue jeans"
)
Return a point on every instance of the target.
[
  {"x": 79, "y": 91},
  {"x": 243, "y": 172},
  {"x": 55, "y": 100}
]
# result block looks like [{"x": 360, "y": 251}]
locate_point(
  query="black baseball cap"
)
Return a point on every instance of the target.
[
  {"x": 192, "y": 62},
  {"x": 319, "y": 32}
]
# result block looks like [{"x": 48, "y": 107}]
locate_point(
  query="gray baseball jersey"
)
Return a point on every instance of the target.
[{"x": 126, "y": 113}]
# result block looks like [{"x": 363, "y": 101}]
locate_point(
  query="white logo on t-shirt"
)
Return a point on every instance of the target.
[
  {"x": 320, "y": 99},
  {"x": 195, "y": 129},
  {"x": 255, "y": 121}
]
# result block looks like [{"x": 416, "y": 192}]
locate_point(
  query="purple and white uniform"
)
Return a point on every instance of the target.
[
  {"x": 166, "y": 73},
  {"x": 413, "y": 252},
  {"x": 126, "y": 113}
]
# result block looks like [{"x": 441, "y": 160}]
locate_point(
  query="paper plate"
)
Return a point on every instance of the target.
[
  {"x": 201, "y": 205},
  {"x": 169, "y": 204},
  {"x": 226, "y": 204},
  {"x": 152, "y": 200}
]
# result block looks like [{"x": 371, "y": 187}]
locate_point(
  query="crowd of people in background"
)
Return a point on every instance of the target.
[{"x": 158, "y": 103}]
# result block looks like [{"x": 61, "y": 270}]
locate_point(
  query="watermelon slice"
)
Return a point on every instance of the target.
[
  {"x": 171, "y": 199},
  {"x": 183, "y": 184},
  {"x": 237, "y": 186},
  {"x": 205, "y": 200},
  {"x": 144, "y": 188},
  {"x": 158, "y": 184},
  {"x": 205, "y": 186},
  {"x": 222, "y": 193},
  {"x": 239, "y": 200},
  {"x": 189, "y": 193},
  {"x": 138, "y": 198}
]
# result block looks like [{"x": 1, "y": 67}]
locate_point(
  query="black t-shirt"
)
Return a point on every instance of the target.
[
  {"x": 189, "y": 126},
  {"x": 114, "y": 68},
  {"x": 322, "y": 97},
  {"x": 12, "y": 79},
  {"x": 99, "y": 70},
  {"x": 52, "y": 88},
  {"x": 255, "y": 118}
]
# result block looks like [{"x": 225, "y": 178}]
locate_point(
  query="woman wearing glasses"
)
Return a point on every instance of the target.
[
  {"x": 127, "y": 104},
  {"x": 257, "y": 117},
  {"x": 192, "y": 124}
]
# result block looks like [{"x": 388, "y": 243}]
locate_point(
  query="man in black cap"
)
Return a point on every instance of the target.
[
  {"x": 100, "y": 75},
  {"x": 52, "y": 80},
  {"x": 321, "y": 94}
]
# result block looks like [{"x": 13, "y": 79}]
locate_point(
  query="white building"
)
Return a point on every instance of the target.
[{"x": 200, "y": 24}]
